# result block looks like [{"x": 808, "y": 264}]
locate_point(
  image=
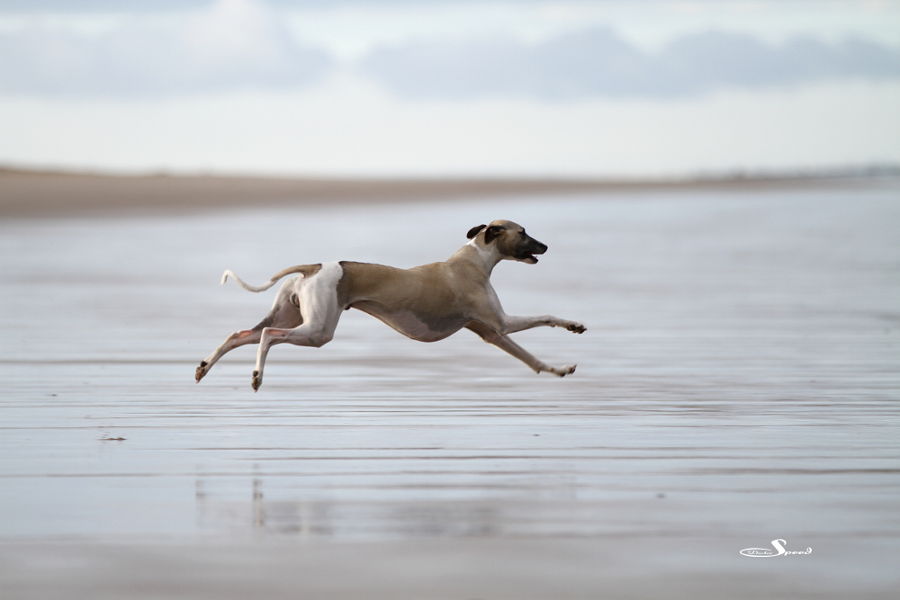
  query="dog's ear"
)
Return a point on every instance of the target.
[
  {"x": 474, "y": 231},
  {"x": 492, "y": 232}
]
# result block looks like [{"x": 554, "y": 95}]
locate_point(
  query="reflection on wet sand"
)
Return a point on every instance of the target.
[{"x": 324, "y": 519}]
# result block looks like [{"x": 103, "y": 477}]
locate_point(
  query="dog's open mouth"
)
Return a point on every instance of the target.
[{"x": 526, "y": 252}]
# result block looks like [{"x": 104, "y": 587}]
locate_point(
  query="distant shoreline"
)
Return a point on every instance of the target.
[{"x": 28, "y": 193}]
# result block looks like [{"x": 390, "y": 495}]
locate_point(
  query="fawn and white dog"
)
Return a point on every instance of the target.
[{"x": 426, "y": 303}]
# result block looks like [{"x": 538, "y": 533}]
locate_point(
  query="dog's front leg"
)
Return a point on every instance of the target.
[
  {"x": 514, "y": 324},
  {"x": 507, "y": 345}
]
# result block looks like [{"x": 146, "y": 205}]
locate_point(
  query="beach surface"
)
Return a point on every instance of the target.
[{"x": 738, "y": 384}]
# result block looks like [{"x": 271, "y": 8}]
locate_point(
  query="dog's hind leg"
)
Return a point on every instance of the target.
[
  {"x": 285, "y": 313},
  {"x": 318, "y": 300},
  {"x": 235, "y": 340}
]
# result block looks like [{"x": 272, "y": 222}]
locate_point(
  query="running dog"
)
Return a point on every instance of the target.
[{"x": 425, "y": 303}]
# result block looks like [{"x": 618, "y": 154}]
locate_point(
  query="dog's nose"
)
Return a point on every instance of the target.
[{"x": 541, "y": 248}]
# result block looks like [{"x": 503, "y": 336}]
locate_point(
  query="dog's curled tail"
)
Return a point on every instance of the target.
[{"x": 305, "y": 270}]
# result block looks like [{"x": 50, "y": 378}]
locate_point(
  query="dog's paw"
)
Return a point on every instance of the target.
[
  {"x": 256, "y": 381},
  {"x": 202, "y": 370},
  {"x": 575, "y": 327},
  {"x": 571, "y": 326},
  {"x": 562, "y": 371}
]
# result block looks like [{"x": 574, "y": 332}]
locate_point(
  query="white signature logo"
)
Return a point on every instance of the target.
[{"x": 777, "y": 549}]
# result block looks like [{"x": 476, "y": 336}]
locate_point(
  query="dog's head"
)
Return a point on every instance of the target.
[{"x": 509, "y": 239}]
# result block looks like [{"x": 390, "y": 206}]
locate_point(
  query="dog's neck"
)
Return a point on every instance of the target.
[{"x": 484, "y": 257}]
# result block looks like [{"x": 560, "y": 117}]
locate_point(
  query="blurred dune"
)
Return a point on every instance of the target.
[{"x": 37, "y": 193}]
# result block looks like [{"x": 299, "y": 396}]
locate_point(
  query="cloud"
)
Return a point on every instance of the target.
[
  {"x": 155, "y": 6},
  {"x": 230, "y": 45},
  {"x": 87, "y": 6},
  {"x": 146, "y": 6},
  {"x": 598, "y": 62},
  {"x": 233, "y": 44}
]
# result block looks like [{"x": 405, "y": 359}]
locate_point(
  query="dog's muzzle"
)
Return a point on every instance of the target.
[{"x": 528, "y": 254}]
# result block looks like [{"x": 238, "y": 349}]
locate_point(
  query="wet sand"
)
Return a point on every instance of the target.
[{"x": 738, "y": 384}]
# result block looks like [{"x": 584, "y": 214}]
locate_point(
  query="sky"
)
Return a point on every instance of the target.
[{"x": 463, "y": 88}]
